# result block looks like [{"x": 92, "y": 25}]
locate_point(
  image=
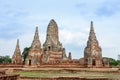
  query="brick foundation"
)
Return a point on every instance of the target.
[{"x": 64, "y": 78}]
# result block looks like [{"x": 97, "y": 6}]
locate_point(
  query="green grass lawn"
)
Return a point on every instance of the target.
[{"x": 68, "y": 74}]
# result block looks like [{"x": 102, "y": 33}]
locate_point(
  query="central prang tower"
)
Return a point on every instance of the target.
[{"x": 52, "y": 47}]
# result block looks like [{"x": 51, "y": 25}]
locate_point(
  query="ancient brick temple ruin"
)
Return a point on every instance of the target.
[
  {"x": 93, "y": 52},
  {"x": 53, "y": 52},
  {"x": 35, "y": 52},
  {"x": 17, "y": 58}
]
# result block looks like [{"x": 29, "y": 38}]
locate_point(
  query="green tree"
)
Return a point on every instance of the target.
[
  {"x": 25, "y": 53},
  {"x": 1, "y": 59},
  {"x": 5, "y": 59},
  {"x": 112, "y": 62},
  {"x": 118, "y": 62}
]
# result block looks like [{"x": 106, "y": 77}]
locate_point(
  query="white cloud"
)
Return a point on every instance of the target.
[{"x": 72, "y": 37}]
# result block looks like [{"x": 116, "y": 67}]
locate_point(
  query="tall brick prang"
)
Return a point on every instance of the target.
[
  {"x": 93, "y": 52},
  {"x": 35, "y": 52},
  {"x": 17, "y": 58}
]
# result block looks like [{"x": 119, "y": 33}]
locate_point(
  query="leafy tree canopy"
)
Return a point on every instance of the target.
[
  {"x": 5, "y": 59},
  {"x": 114, "y": 62},
  {"x": 25, "y": 53}
]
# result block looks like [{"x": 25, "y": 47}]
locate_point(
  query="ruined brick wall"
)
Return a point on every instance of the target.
[
  {"x": 63, "y": 64},
  {"x": 11, "y": 66},
  {"x": 4, "y": 76},
  {"x": 9, "y": 77},
  {"x": 64, "y": 78},
  {"x": 2, "y": 72}
]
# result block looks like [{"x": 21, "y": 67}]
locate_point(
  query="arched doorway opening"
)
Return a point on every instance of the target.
[
  {"x": 93, "y": 62},
  {"x": 29, "y": 62},
  {"x": 49, "y": 48}
]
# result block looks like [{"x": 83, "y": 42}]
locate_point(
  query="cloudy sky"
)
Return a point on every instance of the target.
[{"x": 18, "y": 19}]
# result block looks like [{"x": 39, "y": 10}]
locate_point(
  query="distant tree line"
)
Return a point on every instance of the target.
[
  {"x": 114, "y": 62},
  {"x": 5, "y": 59}
]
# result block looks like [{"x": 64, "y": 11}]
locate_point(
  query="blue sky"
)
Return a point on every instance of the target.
[{"x": 18, "y": 19}]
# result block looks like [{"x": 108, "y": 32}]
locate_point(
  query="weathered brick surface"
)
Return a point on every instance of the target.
[
  {"x": 4, "y": 76},
  {"x": 17, "y": 58},
  {"x": 35, "y": 52},
  {"x": 93, "y": 52},
  {"x": 53, "y": 50},
  {"x": 9, "y": 77},
  {"x": 2, "y": 72},
  {"x": 11, "y": 66},
  {"x": 64, "y": 78}
]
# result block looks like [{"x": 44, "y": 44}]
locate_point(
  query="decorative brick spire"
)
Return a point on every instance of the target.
[
  {"x": 92, "y": 36},
  {"x": 35, "y": 51},
  {"x": 17, "y": 58},
  {"x": 64, "y": 57},
  {"x": 93, "y": 52},
  {"x": 70, "y": 56},
  {"x": 92, "y": 40},
  {"x": 36, "y": 42},
  {"x": 17, "y": 49}
]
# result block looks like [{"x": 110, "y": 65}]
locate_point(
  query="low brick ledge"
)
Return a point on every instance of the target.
[
  {"x": 9, "y": 77},
  {"x": 64, "y": 78}
]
